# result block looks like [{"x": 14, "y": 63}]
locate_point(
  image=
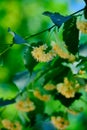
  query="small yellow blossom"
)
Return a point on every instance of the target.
[
  {"x": 62, "y": 52},
  {"x": 85, "y": 88},
  {"x": 82, "y": 72},
  {"x": 7, "y": 124},
  {"x": 59, "y": 122},
  {"x": 41, "y": 97},
  {"x": 82, "y": 26},
  {"x": 49, "y": 87},
  {"x": 10, "y": 125},
  {"x": 25, "y": 106},
  {"x": 68, "y": 89},
  {"x": 39, "y": 54}
]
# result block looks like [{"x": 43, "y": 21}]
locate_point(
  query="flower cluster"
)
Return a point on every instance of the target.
[
  {"x": 50, "y": 87},
  {"x": 68, "y": 88},
  {"x": 59, "y": 122},
  {"x": 82, "y": 26},
  {"x": 25, "y": 106},
  {"x": 11, "y": 126},
  {"x": 38, "y": 95},
  {"x": 63, "y": 53},
  {"x": 39, "y": 54}
]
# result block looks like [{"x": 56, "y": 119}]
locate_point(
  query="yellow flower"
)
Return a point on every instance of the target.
[
  {"x": 62, "y": 51},
  {"x": 85, "y": 87},
  {"x": 82, "y": 72},
  {"x": 59, "y": 122},
  {"x": 11, "y": 126},
  {"x": 49, "y": 87},
  {"x": 7, "y": 124},
  {"x": 39, "y": 54},
  {"x": 82, "y": 26},
  {"x": 38, "y": 95},
  {"x": 68, "y": 89},
  {"x": 25, "y": 106}
]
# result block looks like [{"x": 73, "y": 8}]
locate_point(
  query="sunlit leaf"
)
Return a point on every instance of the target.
[{"x": 8, "y": 91}]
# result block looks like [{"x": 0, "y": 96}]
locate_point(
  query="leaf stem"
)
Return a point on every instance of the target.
[{"x": 6, "y": 49}]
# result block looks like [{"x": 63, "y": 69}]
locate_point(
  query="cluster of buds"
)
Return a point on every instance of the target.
[
  {"x": 41, "y": 97},
  {"x": 68, "y": 88},
  {"x": 25, "y": 106},
  {"x": 59, "y": 122},
  {"x": 39, "y": 54},
  {"x": 82, "y": 26},
  {"x": 10, "y": 125},
  {"x": 63, "y": 53},
  {"x": 49, "y": 87}
]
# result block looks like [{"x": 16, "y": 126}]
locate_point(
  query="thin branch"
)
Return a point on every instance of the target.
[
  {"x": 6, "y": 49},
  {"x": 78, "y": 11},
  {"x": 48, "y": 29}
]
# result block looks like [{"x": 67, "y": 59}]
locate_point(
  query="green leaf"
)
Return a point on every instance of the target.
[
  {"x": 8, "y": 91},
  {"x": 71, "y": 35},
  {"x": 84, "y": 76},
  {"x": 29, "y": 61},
  {"x": 54, "y": 74}
]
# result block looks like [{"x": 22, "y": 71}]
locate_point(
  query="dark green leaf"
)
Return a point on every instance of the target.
[
  {"x": 85, "y": 11},
  {"x": 6, "y": 102},
  {"x": 65, "y": 101},
  {"x": 29, "y": 61},
  {"x": 71, "y": 35},
  {"x": 44, "y": 125},
  {"x": 54, "y": 74}
]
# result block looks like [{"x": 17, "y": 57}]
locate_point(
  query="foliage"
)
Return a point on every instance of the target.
[{"x": 43, "y": 83}]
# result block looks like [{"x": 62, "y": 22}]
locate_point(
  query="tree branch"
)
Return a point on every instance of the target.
[
  {"x": 48, "y": 29},
  {"x": 78, "y": 11}
]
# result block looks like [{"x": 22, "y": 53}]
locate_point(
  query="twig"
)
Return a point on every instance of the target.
[
  {"x": 48, "y": 29},
  {"x": 78, "y": 11},
  {"x": 6, "y": 49}
]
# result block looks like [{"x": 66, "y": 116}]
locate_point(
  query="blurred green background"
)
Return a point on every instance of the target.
[{"x": 25, "y": 18}]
